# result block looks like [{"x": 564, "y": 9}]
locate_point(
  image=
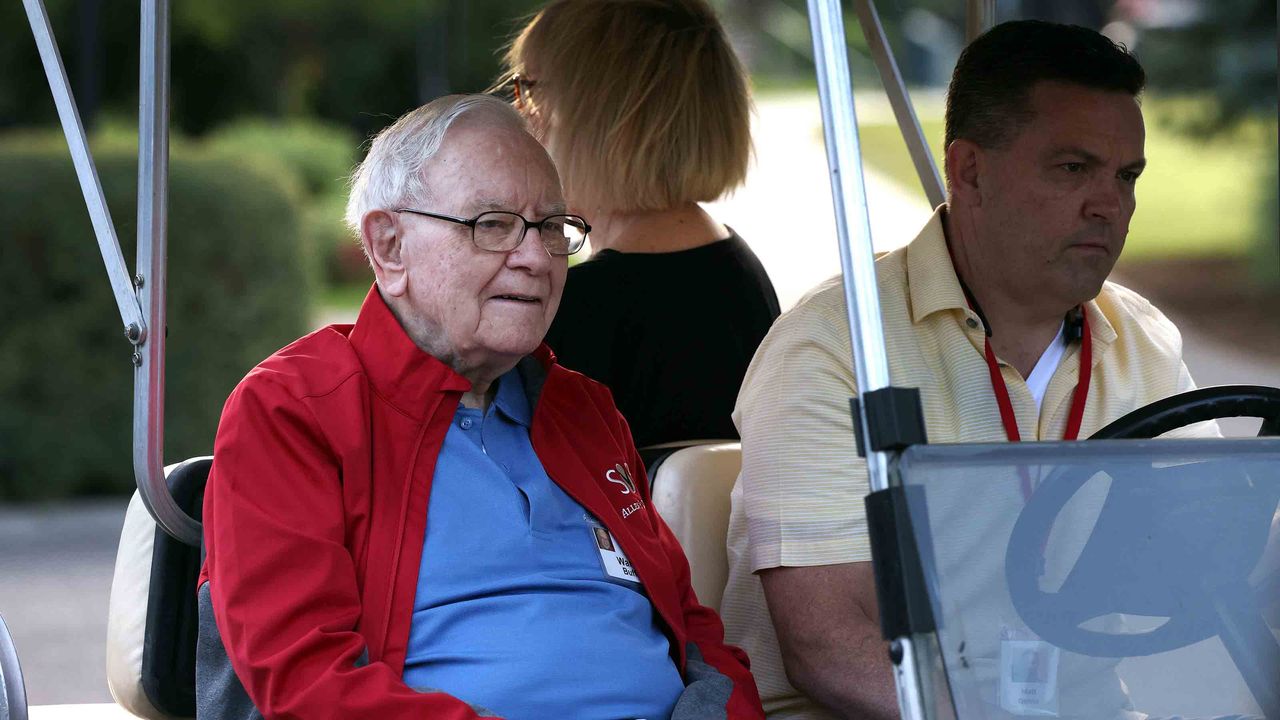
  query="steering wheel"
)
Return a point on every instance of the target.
[
  {"x": 1165, "y": 542},
  {"x": 1195, "y": 406}
]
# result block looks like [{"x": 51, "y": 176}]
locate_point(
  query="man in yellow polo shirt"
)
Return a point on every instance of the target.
[{"x": 1044, "y": 144}]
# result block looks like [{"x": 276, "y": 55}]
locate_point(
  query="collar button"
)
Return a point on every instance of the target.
[{"x": 973, "y": 324}]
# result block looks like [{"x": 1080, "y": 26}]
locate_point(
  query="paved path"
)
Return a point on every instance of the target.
[
  {"x": 56, "y": 562},
  {"x": 785, "y": 210},
  {"x": 55, "y": 576}
]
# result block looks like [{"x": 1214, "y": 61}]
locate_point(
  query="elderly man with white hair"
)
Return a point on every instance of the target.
[{"x": 422, "y": 515}]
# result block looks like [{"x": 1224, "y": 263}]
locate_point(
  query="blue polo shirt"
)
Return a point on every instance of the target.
[{"x": 515, "y": 611}]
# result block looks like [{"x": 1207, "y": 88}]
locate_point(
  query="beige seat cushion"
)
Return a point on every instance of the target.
[
  {"x": 691, "y": 493},
  {"x": 127, "y": 612}
]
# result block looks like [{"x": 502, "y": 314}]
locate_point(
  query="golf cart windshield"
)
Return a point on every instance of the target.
[
  {"x": 1100, "y": 578},
  {"x": 1062, "y": 580}
]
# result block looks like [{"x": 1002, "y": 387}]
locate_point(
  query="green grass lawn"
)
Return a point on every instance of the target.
[{"x": 1197, "y": 197}]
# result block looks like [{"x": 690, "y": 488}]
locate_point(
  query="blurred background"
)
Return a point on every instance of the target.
[{"x": 271, "y": 105}]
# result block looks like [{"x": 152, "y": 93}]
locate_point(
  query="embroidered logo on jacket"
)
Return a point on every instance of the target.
[{"x": 620, "y": 475}]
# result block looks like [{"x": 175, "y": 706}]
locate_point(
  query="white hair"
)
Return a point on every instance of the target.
[{"x": 391, "y": 174}]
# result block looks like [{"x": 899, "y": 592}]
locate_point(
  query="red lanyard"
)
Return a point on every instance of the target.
[
  {"x": 1001, "y": 390},
  {"x": 1077, "y": 403},
  {"x": 1076, "y": 414}
]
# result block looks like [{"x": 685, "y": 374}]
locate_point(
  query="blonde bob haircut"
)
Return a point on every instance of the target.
[{"x": 643, "y": 104}]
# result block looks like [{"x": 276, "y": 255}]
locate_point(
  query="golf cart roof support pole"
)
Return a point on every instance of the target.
[
  {"x": 900, "y": 101},
  {"x": 153, "y": 205},
  {"x": 13, "y": 690},
  {"x": 980, "y": 16},
  {"x": 99, "y": 214},
  {"x": 853, "y": 224},
  {"x": 862, "y": 300}
]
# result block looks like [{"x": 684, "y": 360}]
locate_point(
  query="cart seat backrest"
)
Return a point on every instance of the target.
[
  {"x": 654, "y": 455},
  {"x": 153, "y": 614},
  {"x": 691, "y": 488}
]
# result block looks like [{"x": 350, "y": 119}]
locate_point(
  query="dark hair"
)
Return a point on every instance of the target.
[{"x": 989, "y": 96}]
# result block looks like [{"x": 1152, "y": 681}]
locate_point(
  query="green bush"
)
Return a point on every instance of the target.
[
  {"x": 342, "y": 259},
  {"x": 237, "y": 292},
  {"x": 322, "y": 156},
  {"x": 320, "y": 153}
]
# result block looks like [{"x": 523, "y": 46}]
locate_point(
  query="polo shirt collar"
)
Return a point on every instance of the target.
[
  {"x": 1100, "y": 329},
  {"x": 935, "y": 286},
  {"x": 931, "y": 278},
  {"x": 398, "y": 369},
  {"x": 512, "y": 400}
]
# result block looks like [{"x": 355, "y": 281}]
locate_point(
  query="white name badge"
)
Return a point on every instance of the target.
[
  {"x": 615, "y": 562},
  {"x": 1029, "y": 678}
]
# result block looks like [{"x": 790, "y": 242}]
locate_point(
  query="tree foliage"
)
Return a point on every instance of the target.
[
  {"x": 355, "y": 63},
  {"x": 1228, "y": 53},
  {"x": 237, "y": 292}
]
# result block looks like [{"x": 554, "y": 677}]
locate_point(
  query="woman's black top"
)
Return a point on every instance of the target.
[{"x": 671, "y": 334}]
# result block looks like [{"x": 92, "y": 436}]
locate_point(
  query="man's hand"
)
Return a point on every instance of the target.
[{"x": 828, "y": 629}]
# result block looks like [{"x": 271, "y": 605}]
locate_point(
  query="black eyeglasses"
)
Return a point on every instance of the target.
[{"x": 501, "y": 231}]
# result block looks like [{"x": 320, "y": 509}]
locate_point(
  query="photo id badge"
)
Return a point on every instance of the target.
[
  {"x": 614, "y": 561},
  {"x": 1028, "y": 676}
]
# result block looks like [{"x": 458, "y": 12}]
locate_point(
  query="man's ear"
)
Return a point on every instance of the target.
[
  {"x": 383, "y": 243},
  {"x": 964, "y": 162}
]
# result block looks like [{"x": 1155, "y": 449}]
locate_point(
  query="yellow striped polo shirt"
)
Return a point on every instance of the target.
[{"x": 798, "y": 500}]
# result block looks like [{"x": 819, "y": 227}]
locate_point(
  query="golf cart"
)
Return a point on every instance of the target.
[{"x": 1134, "y": 563}]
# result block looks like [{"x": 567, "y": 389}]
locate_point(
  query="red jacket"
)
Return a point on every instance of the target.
[{"x": 316, "y": 510}]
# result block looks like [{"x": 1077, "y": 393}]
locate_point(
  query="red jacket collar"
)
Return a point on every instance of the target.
[{"x": 399, "y": 370}]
